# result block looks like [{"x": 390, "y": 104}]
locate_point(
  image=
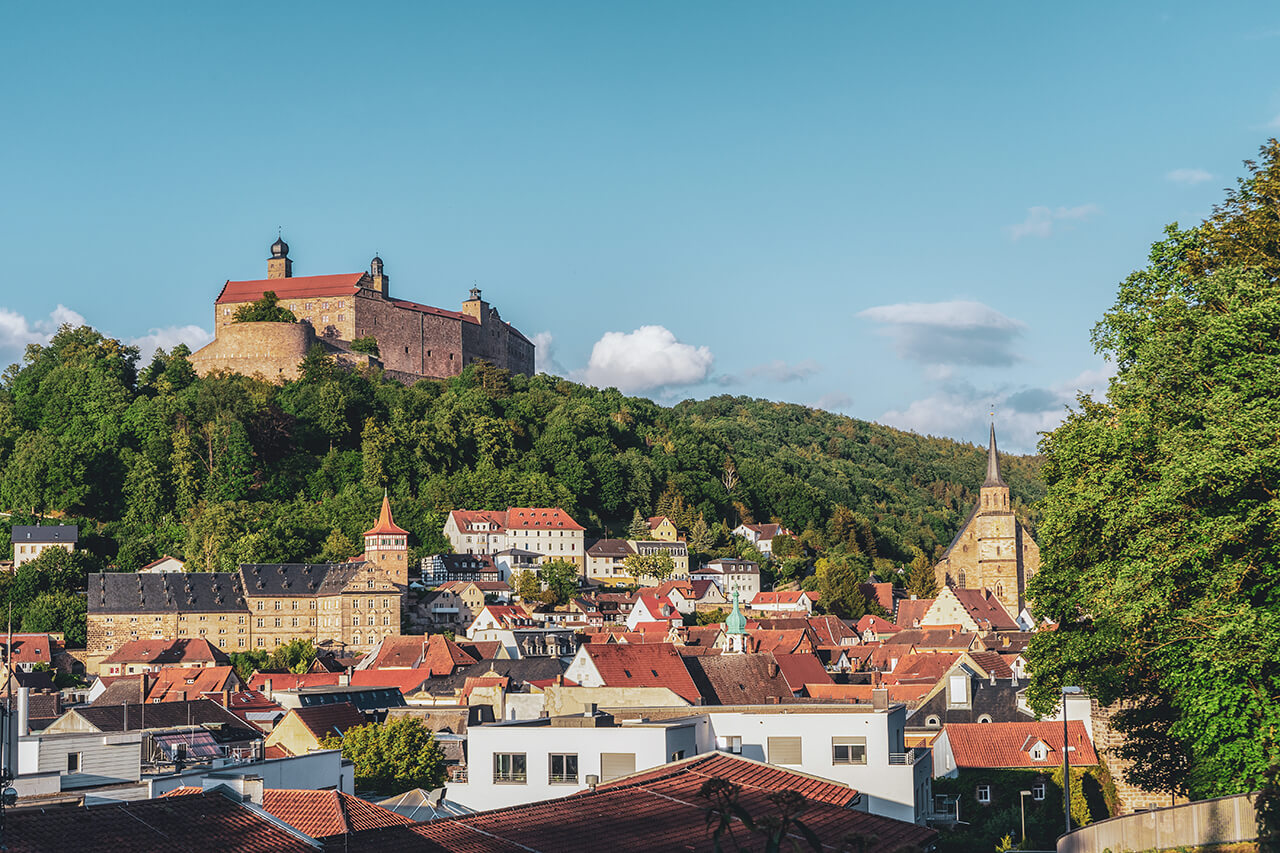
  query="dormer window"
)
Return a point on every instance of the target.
[{"x": 1039, "y": 752}]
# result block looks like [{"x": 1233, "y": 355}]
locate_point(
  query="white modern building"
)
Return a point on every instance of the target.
[
  {"x": 533, "y": 760},
  {"x": 549, "y": 531},
  {"x": 740, "y": 576}
]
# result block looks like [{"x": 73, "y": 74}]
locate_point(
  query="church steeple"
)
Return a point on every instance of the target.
[{"x": 993, "y": 462}]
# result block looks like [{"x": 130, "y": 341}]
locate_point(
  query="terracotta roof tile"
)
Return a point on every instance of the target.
[
  {"x": 325, "y": 720},
  {"x": 292, "y": 680},
  {"x": 385, "y": 524},
  {"x": 802, "y": 669},
  {"x": 911, "y": 611},
  {"x": 177, "y": 683},
  {"x": 1009, "y": 744},
  {"x": 643, "y": 665},
  {"x": 167, "y": 652},
  {"x": 325, "y": 813},
  {"x": 301, "y": 287}
]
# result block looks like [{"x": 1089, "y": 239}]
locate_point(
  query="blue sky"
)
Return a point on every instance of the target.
[{"x": 909, "y": 213}]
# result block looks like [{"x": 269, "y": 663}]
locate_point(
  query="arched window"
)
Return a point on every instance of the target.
[
  {"x": 999, "y": 590},
  {"x": 985, "y": 718},
  {"x": 933, "y": 722},
  {"x": 962, "y": 579}
]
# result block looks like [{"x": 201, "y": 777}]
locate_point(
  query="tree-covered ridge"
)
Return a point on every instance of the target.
[{"x": 226, "y": 469}]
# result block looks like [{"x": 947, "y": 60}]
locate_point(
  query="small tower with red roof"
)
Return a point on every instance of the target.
[{"x": 387, "y": 546}]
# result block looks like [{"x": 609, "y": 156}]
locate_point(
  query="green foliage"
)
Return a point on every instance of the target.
[
  {"x": 1159, "y": 541},
  {"x": 391, "y": 758},
  {"x": 701, "y": 539},
  {"x": 57, "y": 611},
  {"x": 526, "y": 585},
  {"x": 922, "y": 580},
  {"x": 659, "y": 566},
  {"x": 560, "y": 578},
  {"x": 264, "y": 310},
  {"x": 294, "y": 656},
  {"x": 367, "y": 345},
  {"x": 710, "y": 617},
  {"x": 786, "y": 546},
  {"x": 247, "y": 663},
  {"x": 840, "y": 579},
  {"x": 47, "y": 593},
  {"x": 639, "y": 528}
]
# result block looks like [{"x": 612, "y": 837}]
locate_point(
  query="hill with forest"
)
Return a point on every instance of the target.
[{"x": 150, "y": 459}]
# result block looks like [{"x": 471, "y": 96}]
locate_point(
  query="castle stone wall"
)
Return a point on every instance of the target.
[
  {"x": 409, "y": 341},
  {"x": 270, "y": 350}
]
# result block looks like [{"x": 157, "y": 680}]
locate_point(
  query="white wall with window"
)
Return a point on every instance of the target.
[{"x": 532, "y": 760}]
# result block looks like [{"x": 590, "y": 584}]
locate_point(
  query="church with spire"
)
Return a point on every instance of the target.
[{"x": 993, "y": 550}]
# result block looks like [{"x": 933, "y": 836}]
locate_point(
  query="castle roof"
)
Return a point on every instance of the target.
[
  {"x": 301, "y": 287},
  {"x": 190, "y": 592},
  {"x": 385, "y": 523},
  {"x": 301, "y": 579}
]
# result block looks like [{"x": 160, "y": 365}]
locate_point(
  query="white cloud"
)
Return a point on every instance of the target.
[
  {"x": 1190, "y": 177},
  {"x": 773, "y": 371},
  {"x": 945, "y": 333},
  {"x": 963, "y": 411},
  {"x": 1040, "y": 220},
  {"x": 648, "y": 358},
  {"x": 169, "y": 337},
  {"x": 544, "y": 355},
  {"x": 16, "y": 332},
  {"x": 836, "y": 401}
]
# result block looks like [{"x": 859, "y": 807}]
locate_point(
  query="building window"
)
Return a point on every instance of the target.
[
  {"x": 261, "y": 642},
  {"x": 958, "y": 691},
  {"x": 616, "y": 764},
  {"x": 260, "y": 622},
  {"x": 983, "y": 794},
  {"x": 294, "y": 622},
  {"x": 1037, "y": 791},
  {"x": 509, "y": 768},
  {"x": 933, "y": 722},
  {"x": 279, "y": 605},
  {"x": 277, "y": 621},
  {"x": 985, "y": 718},
  {"x": 564, "y": 770},
  {"x": 730, "y": 743},
  {"x": 260, "y": 605},
  {"x": 848, "y": 750},
  {"x": 784, "y": 750},
  {"x": 73, "y": 762}
]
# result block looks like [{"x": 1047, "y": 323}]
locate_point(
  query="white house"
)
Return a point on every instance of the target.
[
  {"x": 761, "y": 535},
  {"x": 529, "y": 761},
  {"x": 653, "y": 608},
  {"x": 740, "y": 576},
  {"x": 549, "y": 531},
  {"x": 164, "y": 565},
  {"x": 798, "y": 602}
]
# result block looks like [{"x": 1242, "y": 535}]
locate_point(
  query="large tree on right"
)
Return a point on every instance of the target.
[{"x": 1160, "y": 539}]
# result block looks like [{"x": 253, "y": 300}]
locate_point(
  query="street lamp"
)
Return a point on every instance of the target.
[
  {"x": 1066, "y": 760},
  {"x": 1022, "y": 804}
]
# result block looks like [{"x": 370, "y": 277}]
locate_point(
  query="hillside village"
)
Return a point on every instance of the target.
[{"x": 548, "y": 665}]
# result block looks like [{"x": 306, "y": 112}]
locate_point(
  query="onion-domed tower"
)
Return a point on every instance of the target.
[{"x": 279, "y": 265}]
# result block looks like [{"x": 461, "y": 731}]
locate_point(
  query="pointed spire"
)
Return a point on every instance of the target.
[
  {"x": 993, "y": 462},
  {"x": 736, "y": 623},
  {"x": 385, "y": 523}
]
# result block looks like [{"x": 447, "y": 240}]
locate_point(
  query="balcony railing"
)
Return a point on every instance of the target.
[
  {"x": 911, "y": 756},
  {"x": 457, "y": 772}
]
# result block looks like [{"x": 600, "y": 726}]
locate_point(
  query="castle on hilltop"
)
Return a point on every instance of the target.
[{"x": 414, "y": 341}]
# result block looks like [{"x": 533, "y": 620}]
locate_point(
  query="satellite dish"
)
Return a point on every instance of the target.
[{"x": 9, "y": 797}]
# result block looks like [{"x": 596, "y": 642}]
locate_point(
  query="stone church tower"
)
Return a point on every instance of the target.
[{"x": 993, "y": 549}]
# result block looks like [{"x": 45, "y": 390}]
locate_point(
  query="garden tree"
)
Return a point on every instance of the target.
[
  {"x": 786, "y": 546},
  {"x": 337, "y": 547},
  {"x": 526, "y": 584},
  {"x": 1158, "y": 540},
  {"x": 840, "y": 580},
  {"x": 265, "y": 310},
  {"x": 393, "y": 757},
  {"x": 57, "y": 611},
  {"x": 560, "y": 577},
  {"x": 293, "y": 656},
  {"x": 658, "y": 566},
  {"x": 701, "y": 539},
  {"x": 247, "y": 663},
  {"x": 367, "y": 345},
  {"x": 639, "y": 528},
  {"x": 922, "y": 580}
]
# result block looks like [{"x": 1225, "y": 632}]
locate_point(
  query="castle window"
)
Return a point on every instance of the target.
[
  {"x": 341, "y": 317},
  {"x": 342, "y": 303},
  {"x": 961, "y": 584},
  {"x": 324, "y": 318}
]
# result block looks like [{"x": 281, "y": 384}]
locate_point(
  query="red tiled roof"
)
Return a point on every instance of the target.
[
  {"x": 435, "y": 654},
  {"x": 885, "y": 654},
  {"x": 438, "y": 312},
  {"x": 292, "y": 680},
  {"x": 994, "y": 663},
  {"x": 660, "y": 809},
  {"x": 29, "y": 648},
  {"x": 253, "y": 707},
  {"x": 482, "y": 649},
  {"x": 802, "y": 669},
  {"x": 985, "y": 609},
  {"x": 325, "y": 720},
  {"x": 178, "y": 683},
  {"x": 276, "y": 751},
  {"x": 464, "y": 518},
  {"x": 167, "y": 651},
  {"x": 911, "y": 611},
  {"x": 405, "y": 680},
  {"x": 200, "y": 822},
  {"x": 877, "y": 624},
  {"x": 531, "y": 518},
  {"x": 919, "y": 666},
  {"x": 787, "y": 642},
  {"x": 861, "y": 693},
  {"x": 385, "y": 524},
  {"x": 342, "y": 284},
  {"x": 643, "y": 665},
  {"x": 782, "y": 597},
  {"x": 936, "y": 637},
  {"x": 655, "y": 520},
  {"x": 880, "y": 593},
  {"x": 1009, "y": 744},
  {"x": 325, "y": 813}
]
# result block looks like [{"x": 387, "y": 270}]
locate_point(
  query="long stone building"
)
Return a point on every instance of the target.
[
  {"x": 993, "y": 550},
  {"x": 348, "y": 606},
  {"x": 414, "y": 340}
]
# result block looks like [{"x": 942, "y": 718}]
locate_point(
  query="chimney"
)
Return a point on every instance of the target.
[
  {"x": 589, "y": 709},
  {"x": 880, "y": 698},
  {"x": 560, "y": 680},
  {"x": 266, "y": 689},
  {"x": 226, "y": 697},
  {"x": 772, "y": 668},
  {"x": 344, "y": 678}
]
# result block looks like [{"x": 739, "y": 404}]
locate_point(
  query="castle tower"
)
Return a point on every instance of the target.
[
  {"x": 381, "y": 281},
  {"x": 475, "y": 306},
  {"x": 279, "y": 265},
  {"x": 735, "y": 629},
  {"x": 387, "y": 546},
  {"x": 992, "y": 551}
]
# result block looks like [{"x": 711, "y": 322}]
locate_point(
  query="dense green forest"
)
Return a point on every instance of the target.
[{"x": 150, "y": 459}]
